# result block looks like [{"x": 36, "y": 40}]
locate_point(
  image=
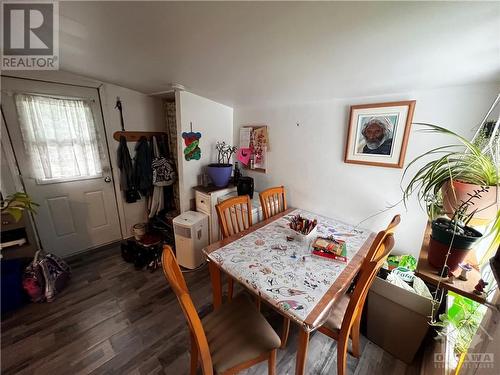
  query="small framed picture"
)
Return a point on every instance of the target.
[{"x": 378, "y": 133}]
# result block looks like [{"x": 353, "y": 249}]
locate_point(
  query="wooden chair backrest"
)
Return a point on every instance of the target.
[
  {"x": 273, "y": 201},
  {"x": 235, "y": 215},
  {"x": 378, "y": 253},
  {"x": 176, "y": 280},
  {"x": 380, "y": 238}
]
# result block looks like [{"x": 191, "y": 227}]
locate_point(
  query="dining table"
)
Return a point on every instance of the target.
[{"x": 280, "y": 269}]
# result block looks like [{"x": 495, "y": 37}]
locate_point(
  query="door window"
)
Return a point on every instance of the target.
[{"x": 60, "y": 137}]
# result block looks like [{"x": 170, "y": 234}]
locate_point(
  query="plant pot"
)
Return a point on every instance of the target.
[
  {"x": 457, "y": 192},
  {"x": 220, "y": 174},
  {"x": 437, "y": 255},
  {"x": 440, "y": 243}
]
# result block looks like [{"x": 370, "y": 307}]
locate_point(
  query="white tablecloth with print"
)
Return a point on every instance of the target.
[{"x": 291, "y": 278}]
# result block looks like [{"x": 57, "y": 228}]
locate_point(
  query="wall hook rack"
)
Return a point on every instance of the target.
[
  {"x": 135, "y": 136},
  {"x": 131, "y": 136}
]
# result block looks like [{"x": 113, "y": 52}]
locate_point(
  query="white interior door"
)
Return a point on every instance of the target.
[{"x": 59, "y": 141}]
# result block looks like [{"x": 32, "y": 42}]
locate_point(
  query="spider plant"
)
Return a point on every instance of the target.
[{"x": 463, "y": 161}]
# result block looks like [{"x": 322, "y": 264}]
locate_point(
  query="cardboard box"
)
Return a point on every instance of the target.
[{"x": 397, "y": 320}]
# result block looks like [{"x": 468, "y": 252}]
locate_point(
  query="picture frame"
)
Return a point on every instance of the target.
[
  {"x": 378, "y": 133},
  {"x": 255, "y": 140}
]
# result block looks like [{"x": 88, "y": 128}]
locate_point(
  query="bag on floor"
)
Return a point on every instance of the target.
[
  {"x": 45, "y": 276},
  {"x": 134, "y": 253},
  {"x": 129, "y": 251}
]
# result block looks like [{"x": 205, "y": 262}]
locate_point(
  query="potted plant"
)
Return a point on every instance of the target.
[
  {"x": 439, "y": 186},
  {"x": 220, "y": 172},
  {"x": 452, "y": 239},
  {"x": 444, "y": 183},
  {"x": 16, "y": 204}
]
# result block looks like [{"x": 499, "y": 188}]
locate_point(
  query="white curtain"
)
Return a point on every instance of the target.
[{"x": 60, "y": 137}]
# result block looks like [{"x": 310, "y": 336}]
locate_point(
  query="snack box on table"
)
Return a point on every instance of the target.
[{"x": 330, "y": 248}]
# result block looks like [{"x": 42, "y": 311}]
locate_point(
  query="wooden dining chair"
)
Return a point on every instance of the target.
[
  {"x": 273, "y": 201},
  {"x": 345, "y": 318},
  {"x": 235, "y": 215},
  {"x": 234, "y": 337}
]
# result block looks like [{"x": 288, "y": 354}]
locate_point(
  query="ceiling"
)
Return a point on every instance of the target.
[{"x": 270, "y": 53}]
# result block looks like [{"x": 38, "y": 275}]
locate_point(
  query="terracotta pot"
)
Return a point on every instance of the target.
[
  {"x": 441, "y": 239},
  {"x": 487, "y": 206},
  {"x": 437, "y": 255}
]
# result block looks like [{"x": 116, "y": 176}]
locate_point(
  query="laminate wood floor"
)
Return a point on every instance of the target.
[{"x": 112, "y": 319}]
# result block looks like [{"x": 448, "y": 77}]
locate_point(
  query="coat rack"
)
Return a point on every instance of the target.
[
  {"x": 131, "y": 136},
  {"x": 135, "y": 136}
]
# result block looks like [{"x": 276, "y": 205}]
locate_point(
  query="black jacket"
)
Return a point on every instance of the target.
[{"x": 143, "y": 170}]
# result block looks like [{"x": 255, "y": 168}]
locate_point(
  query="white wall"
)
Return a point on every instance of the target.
[
  {"x": 215, "y": 123},
  {"x": 140, "y": 112},
  {"x": 308, "y": 159}
]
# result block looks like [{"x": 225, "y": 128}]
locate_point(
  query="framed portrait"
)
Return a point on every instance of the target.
[{"x": 378, "y": 133}]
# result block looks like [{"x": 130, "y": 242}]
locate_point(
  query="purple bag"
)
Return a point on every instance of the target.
[{"x": 46, "y": 276}]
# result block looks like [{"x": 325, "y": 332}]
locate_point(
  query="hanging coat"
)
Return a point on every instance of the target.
[
  {"x": 127, "y": 179},
  {"x": 143, "y": 170}
]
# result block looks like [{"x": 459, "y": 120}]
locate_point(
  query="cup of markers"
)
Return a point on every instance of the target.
[{"x": 303, "y": 229}]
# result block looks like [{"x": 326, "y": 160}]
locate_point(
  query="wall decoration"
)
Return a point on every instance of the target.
[
  {"x": 260, "y": 142},
  {"x": 243, "y": 155},
  {"x": 192, "y": 142},
  {"x": 378, "y": 133},
  {"x": 254, "y": 139}
]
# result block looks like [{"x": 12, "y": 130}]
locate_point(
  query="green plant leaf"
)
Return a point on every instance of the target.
[
  {"x": 15, "y": 212},
  {"x": 462, "y": 160}
]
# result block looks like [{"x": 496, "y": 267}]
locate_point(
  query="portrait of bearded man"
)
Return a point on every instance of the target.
[{"x": 377, "y": 135}]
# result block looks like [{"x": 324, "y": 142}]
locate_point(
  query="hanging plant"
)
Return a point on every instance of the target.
[{"x": 460, "y": 169}]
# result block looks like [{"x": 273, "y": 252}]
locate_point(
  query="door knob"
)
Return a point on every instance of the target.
[{"x": 107, "y": 179}]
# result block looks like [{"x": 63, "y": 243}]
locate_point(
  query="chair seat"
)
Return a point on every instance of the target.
[
  {"x": 334, "y": 320},
  {"x": 237, "y": 332}
]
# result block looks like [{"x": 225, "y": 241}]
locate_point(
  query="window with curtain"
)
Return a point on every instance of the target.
[{"x": 60, "y": 137}]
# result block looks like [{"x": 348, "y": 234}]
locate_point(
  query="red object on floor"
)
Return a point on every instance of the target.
[{"x": 150, "y": 239}]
